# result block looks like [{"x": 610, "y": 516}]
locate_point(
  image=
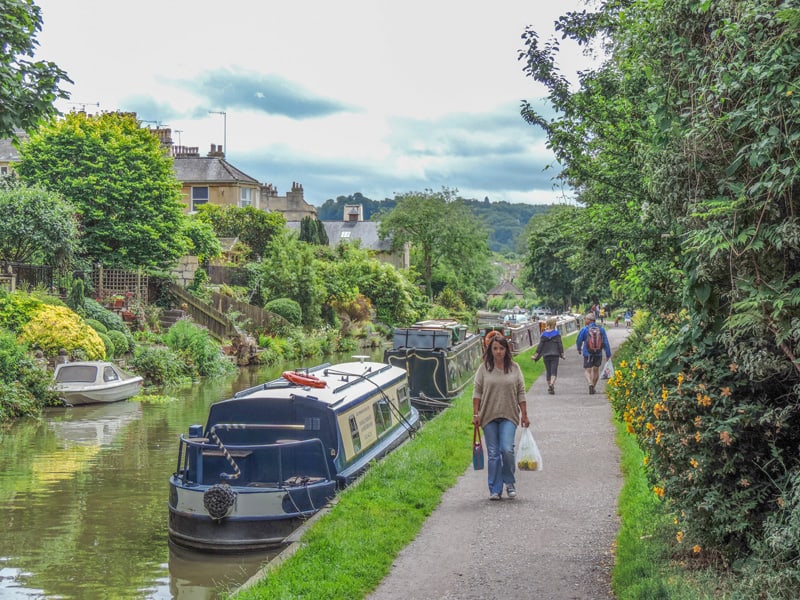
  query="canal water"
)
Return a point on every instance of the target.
[{"x": 84, "y": 494}]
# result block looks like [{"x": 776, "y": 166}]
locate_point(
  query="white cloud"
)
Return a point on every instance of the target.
[{"x": 353, "y": 96}]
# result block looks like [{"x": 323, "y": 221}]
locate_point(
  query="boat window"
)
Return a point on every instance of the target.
[
  {"x": 78, "y": 373},
  {"x": 383, "y": 415},
  {"x": 355, "y": 435},
  {"x": 109, "y": 374},
  {"x": 404, "y": 400}
]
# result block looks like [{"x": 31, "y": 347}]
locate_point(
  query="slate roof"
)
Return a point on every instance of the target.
[
  {"x": 505, "y": 286},
  {"x": 210, "y": 169},
  {"x": 366, "y": 231}
]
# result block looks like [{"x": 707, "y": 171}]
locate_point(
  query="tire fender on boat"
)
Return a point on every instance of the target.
[{"x": 218, "y": 500}]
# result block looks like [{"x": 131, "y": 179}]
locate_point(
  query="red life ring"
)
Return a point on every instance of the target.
[
  {"x": 487, "y": 339},
  {"x": 304, "y": 380}
]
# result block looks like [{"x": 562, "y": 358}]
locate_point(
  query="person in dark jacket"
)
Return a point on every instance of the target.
[{"x": 551, "y": 348}]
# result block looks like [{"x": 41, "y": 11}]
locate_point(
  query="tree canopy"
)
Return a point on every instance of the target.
[
  {"x": 440, "y": 229},
  {"x": 37, "y": 226},
  {"x": 682, "y": 146},
  {"x": 28, "y": 87},
  {"x": 120, "y": 181}
]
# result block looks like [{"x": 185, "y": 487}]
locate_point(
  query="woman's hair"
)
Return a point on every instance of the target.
[
  {"x": 551, "y": 322},
  {"x": 488, "y": 357}
]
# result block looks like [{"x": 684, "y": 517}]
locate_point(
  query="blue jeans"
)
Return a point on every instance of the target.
[{"x": 499, "y": 438}]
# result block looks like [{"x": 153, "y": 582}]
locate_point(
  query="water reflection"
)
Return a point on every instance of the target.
[
  {"x": 85, "y": 496},
  {"x": 194, "y": 577}
]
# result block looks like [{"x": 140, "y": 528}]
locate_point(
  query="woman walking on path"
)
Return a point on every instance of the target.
[
  {"x": 499, "y": 406},
  {"x": 551, "y": 348}
]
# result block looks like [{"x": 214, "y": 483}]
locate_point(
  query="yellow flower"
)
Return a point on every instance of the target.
[
  {"x": 696, "y": 549},
  {"x": 646, "y": 460},
  {"x": 694, "y": 463},
  {"x": 659, "y": 491},
  {"x": 664, "y": 393},
  {"x": 679, "y": 536},
  {"x": 697, "y": 436},
  {"x": 789, "y": 92},
  {"x": 680, "y": 378}
]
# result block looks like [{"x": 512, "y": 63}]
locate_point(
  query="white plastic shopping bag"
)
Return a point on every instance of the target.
[
  {"x": 528, "y": 456},
  {"x": 608, "y": 370}
]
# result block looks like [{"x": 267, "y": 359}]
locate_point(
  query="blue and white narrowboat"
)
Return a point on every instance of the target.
[
  {"x": 275, "y": 454},
  {"x": 441, "y": 358}
]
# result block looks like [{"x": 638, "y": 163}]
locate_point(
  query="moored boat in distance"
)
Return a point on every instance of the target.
[
  {"x": 94, "y": 382},
  {"x": 518, "y": 329},
  {"x": 275, "y": 454},
  {"x": 441, "y": 358}
]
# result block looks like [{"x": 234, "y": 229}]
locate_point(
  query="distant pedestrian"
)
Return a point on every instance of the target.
[
  {"x": 602, "y": 314},
  {"x": 627, "y": 319},
  {"x": 499, "y": 406},
  {"x": 592, "y": 340},
  {"x": 551, "y": 348}
]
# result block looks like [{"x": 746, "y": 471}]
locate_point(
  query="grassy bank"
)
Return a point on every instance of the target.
[{"x": 349, "y": 550}]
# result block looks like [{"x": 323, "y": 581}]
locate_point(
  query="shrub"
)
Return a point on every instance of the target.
[
  {"x": 92, "y": 309},
  {"x": 109, "y": 345},
  {"x": 201, "y": 350},
  {"x": 120, "y": 341},
  {"x": 16, "y": 401},
  {"x": 56, "y": 327},
  {"x": 160, "y": 365},
  {"x": 16, "y": 309},
  {"x": 96, "y": 325},
  {"x": 287, "y": 308}
]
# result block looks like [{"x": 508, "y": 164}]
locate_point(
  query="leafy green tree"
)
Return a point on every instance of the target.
[
  {"x": 203, "y": 243},
  {"x": 253, "y": 227},
  {"x": 121, "y": 182},
  {"x": 29, "y": 87},
  {"x": 687, "y": 135},
  {"x": 350, "y": 273},
  {"x": 439, "y": 228},
  {"x": 312, "y": 231},
  {"x": 38, "y": 226},
  {"x": 289, "y": 270},
  {"x": 551, "y": 247}
]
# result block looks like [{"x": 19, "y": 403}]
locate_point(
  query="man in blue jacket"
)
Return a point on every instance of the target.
[{"x": 592, "y": 340}]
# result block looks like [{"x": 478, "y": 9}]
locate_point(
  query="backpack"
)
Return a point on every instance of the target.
[{"x": 594, "y": 340}]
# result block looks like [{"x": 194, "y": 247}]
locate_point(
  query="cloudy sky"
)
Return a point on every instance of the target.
[{"x": 351, "y": 96}]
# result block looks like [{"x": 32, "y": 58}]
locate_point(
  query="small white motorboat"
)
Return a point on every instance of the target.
[{"x": 94, "y": 382}]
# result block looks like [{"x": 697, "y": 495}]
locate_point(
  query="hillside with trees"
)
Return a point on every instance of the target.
[{"x": 504, "y": 222}]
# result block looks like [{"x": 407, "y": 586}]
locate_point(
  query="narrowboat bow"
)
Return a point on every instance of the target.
[{"x": 275, "y": 454}]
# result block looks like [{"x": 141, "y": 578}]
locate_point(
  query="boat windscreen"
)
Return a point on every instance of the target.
[{"x": 78, "y": 373}]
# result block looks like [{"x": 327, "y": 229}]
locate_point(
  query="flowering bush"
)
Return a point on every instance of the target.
[
  {"x": 718, "y": 448},
  {"x": 54, "y": 327}
]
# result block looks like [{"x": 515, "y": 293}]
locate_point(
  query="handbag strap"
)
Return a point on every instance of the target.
[{"x": 476, "y": 435}]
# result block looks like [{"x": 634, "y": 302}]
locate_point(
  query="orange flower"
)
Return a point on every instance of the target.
[
  {"x": 733, "y": 367},
  {"x": 696, "y": 549},
  {"x": 725, "y": 438},
  {"x": 726, "y": 391},
  {"x": 694, "y": 462}
]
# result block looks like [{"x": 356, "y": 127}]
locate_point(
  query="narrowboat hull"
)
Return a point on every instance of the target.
[
  {"x": 437, "y": 375},
  {"x": 274, "y": 455}
]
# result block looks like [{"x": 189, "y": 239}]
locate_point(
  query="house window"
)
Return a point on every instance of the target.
[
  {"x": 246, "y": 197},
  {"x": 199, "y": 196},
  {"x": 3, "y": 170},
  {"x": 345, "y": 234}
]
